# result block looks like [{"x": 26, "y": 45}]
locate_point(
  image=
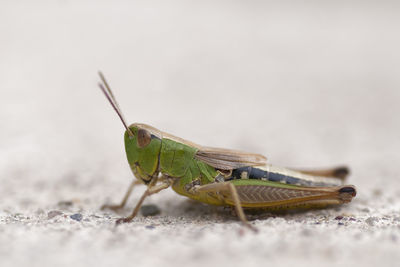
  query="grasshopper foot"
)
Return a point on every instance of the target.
[{"x": 123, "y": 220}]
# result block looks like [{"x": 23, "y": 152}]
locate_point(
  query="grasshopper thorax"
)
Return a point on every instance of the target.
[{"x": 142, "y": 146}]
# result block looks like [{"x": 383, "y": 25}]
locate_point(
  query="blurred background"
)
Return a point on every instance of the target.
[{"x": 309, "y": 84}]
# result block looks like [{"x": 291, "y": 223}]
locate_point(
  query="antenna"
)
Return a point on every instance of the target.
[{"x": 110, "y": 97}]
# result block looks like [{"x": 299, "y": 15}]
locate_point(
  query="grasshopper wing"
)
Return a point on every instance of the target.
[{"x": 226, "y": 159}]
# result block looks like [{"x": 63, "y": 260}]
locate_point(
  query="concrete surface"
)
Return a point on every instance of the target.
[{"x": 307, "y": 84}]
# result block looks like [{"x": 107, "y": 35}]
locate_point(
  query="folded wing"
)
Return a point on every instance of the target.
[{"x": 227, "y": 159}]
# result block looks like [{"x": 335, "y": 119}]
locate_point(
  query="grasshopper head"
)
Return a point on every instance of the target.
[
  {"x": 142, "y": 146},
  {"x": 142, "y": 142}
]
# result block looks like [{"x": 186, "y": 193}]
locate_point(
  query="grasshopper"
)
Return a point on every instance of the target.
[{"x": 221, "y": 176}]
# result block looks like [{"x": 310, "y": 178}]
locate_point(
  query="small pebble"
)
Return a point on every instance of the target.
[
  {"x": 53, "y": 214},
  {"x": 150, "y": 227},
  {"x": 371, "y": 221},
  {"x": 339, "y": 218},
  {"x": 76, "y": 217},
  {"x": 149, "y": 210}
]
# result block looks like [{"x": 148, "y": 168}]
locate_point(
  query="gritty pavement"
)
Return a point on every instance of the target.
[{"x": 309, "y": 85}]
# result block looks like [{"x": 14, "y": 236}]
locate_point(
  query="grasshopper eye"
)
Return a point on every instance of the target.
[{"x": 143, "y": 138}]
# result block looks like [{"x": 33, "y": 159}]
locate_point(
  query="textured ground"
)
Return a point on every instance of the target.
[{"x": 307, "y": 85}]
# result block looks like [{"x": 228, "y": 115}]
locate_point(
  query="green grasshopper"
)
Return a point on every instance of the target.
[{"x": 221, "y": 176}]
